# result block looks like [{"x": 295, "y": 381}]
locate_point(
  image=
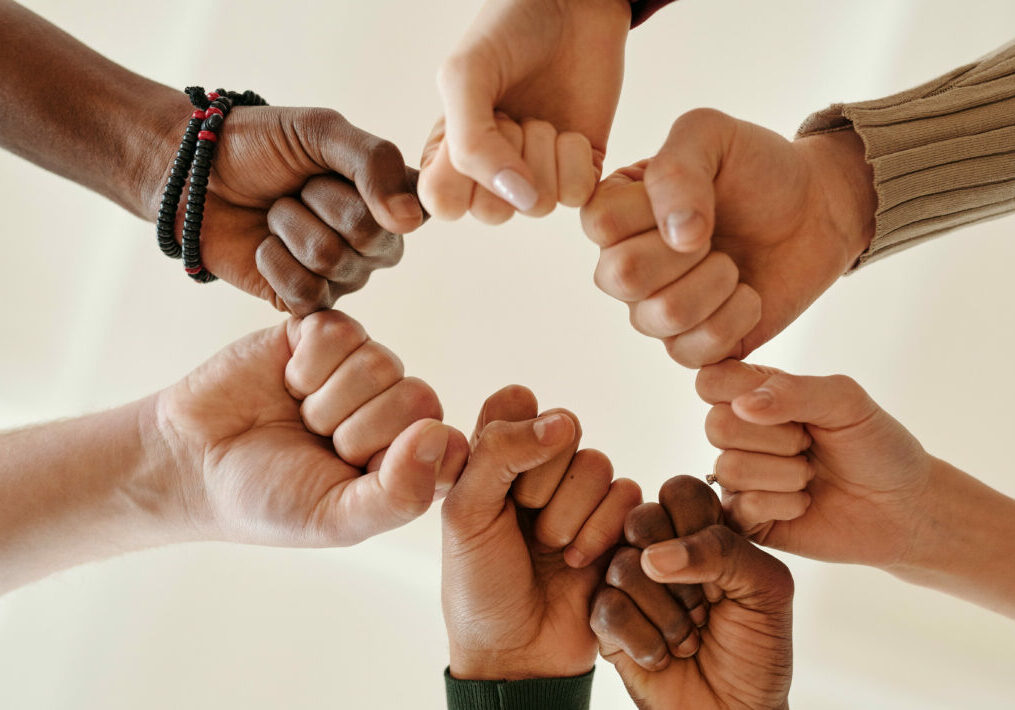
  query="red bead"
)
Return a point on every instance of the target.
[
  {"x": 199, "y": 114},
  {"x": 213, "y": 109},
  {"x": 194, "y": 270},
  {"x": 212, "y": 95},
  {"x": 207, "y": 136}
]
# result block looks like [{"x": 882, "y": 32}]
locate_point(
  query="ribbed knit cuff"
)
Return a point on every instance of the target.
[
  {"x": 641, "y": 10},
  {"x": 572, "y": 693},
  {"x": 943, "y": 153}
]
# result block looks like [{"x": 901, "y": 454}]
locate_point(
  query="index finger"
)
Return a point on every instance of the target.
[
  {"x": 377, "y": 168},
  {"x": 619, "y": 209}
]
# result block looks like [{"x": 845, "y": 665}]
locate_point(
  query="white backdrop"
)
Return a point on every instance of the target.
[{"x": 92, "y": 315}]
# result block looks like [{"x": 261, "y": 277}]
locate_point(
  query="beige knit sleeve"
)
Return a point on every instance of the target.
[{"x": 943, "y": 153}]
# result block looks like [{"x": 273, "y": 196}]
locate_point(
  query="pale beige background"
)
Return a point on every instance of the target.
[{"x": 93, "y": 315}]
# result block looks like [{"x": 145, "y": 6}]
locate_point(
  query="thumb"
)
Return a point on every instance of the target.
[
  {"x": 503, "y": 451},
  {"x": 375, "y": 165},
  {"x": 400, "y": 490},
  {"x": 831, "y": 402},
  {"x": 680, "y": 178},
  {"x": 719, "y": 556},
  {"x": 476, "y": 146}
]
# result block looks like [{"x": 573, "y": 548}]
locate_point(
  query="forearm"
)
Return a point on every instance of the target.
[
  {"x": 72, "y": 111},
  {"x": 80, "y": 490},
  {"x": 965, "y": 543}
]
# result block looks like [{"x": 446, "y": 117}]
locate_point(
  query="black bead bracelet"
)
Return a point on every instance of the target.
[{"x": 193, "y": 159}]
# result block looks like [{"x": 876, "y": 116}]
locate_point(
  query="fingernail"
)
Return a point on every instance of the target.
[
  {"x": 682, "y": 228},
  {"x": 432, "y": 444},
  {"x": 550, "y": 429},
  {"x": 664, "y": 559},
  {"x": 689, "y": 646},
  {"x": 758, "y": 399},
  {"x": 515, "y": 189},
  {"x": 405, "y": 208},
  {"x": 699, "y": 615},
  {"x": 574, "y": 559}
]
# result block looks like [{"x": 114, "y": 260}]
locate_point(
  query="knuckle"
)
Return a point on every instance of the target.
[
  {"x": 383, "y": 156},
  {"x": 622, "y": 274},
  {"x": 699, "y": 117},
  {"x": 280, "y": 213},
  {"x": 418, "y": 400},
  {"x": 663, "y": 170},
  {"x": 672, "y": 314},
  {"x": 654, "y": 658},
  {"x": 325, "y": 254},
  {"x": 332, "y": 327},
  {"x": 715, "y": 341},
  {"x": 379, "y": 365},
  {"x": 610, "y": 610},
  {"x": 625, "y": 568},
  {"x": 599, "y": 222},
  {"x": 306, "y": 294},
  {"x": 723, "y": 540},
  {"x": 551, "y": 535},
  {"x": 387, "y": 248},
  {"x": 728, "y": 466},
  {"x": 452, "y": 70},
  {"x": 680, "y": 352},
  {"x": 752, "y": 507},
  {"x": 724, "y": 266},
  {"x": 720, "y": 425},
  {"x": 647, "y": 523},
  {"x": 681, "y": 489},
  {"x": 496, "y": 435},
  {"x": 677, "y": 628},
  {"x": 312, "y": 414},
  {"x": 539, "y": 126},
  {"x": 802, "y": 473},
  {"x": 593, "y": 464}
]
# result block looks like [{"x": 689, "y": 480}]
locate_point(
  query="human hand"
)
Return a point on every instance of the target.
[
  {"x": 559, "y": 61},
  {"x": 744, "y": 656},
  {"x": 301, "y": 205},
  {"x": 305, "y": 434},
  {"x": 814, "y": 466},
  {"x": 562, "y": 166},
  {"x": 517, "y": 581},
  {"x": 730, "y": 232}
]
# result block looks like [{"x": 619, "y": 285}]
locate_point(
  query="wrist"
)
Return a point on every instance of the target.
[
  {"x": 151, "y": 146},
  {"x": 514, "y": 665},
  {"x": 846, "y": 180},
  {"x": 963, "y": 541}
]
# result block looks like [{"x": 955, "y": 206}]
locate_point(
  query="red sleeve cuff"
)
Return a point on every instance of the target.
[{"x": 641, "y": 10}]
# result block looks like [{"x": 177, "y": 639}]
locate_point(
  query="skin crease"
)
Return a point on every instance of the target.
[
  {"x": 513, "y": 606},
  {"x": 322, "y": 210},
  {"x": 858, "y": 487},
  {"x": 529, "y": 59},
  {"x": 744, "y": 656},
  {"x": 787, "y": 240}
]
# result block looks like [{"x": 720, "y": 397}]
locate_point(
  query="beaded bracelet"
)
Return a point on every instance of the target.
[{"x": 193, "y": 159}]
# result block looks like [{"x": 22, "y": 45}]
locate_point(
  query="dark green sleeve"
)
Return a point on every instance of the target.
[{"x": 535, "y": 694}]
